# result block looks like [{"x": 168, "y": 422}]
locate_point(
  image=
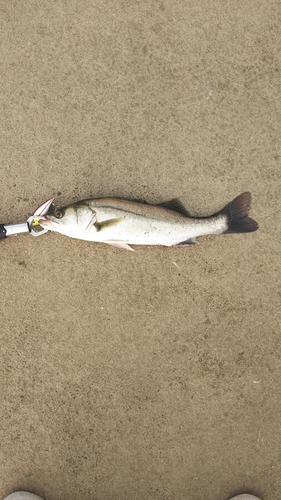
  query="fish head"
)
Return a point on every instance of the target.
[{"x": 69, "y": 220}]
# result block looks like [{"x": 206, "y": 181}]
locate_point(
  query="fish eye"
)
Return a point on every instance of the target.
[{"x": 58, "y": 214}]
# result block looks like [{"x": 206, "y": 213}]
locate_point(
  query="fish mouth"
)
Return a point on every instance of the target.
[
  {"x": 38, "y": 216},
  {"x": 48, "y": 222}
]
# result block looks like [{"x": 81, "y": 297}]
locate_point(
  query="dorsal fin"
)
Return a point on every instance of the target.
[
  {"x": 136, "y": 200},
  {"x": 179, "y": 205}
]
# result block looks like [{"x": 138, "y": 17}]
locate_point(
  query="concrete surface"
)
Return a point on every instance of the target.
[{"x": 154, "y": 374}]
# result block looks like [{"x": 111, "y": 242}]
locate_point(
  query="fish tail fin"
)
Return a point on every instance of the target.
[{"x": 237, "y": 215}]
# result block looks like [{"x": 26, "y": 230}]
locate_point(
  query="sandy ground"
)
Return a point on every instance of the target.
[{"x": 153, "y": 374}]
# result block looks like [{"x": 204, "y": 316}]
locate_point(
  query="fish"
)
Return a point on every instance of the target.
[{"x": 126, "y": 222}]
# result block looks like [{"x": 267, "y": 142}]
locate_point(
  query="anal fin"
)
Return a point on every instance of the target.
[{"x": 188, "y": 243}]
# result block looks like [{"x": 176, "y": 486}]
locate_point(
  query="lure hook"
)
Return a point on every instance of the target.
[{"x": 34, "y": 219}]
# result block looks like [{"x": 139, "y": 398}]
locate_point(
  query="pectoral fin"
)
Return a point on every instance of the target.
[
  {"x": 181, "y": 206},
  {"x": 100, "y": 226}
]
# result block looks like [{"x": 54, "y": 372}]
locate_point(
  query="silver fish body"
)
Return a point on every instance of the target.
[{"x": 122, "y": 223}]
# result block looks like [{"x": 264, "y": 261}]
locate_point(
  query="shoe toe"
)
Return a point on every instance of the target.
[
  {"x": 245, "y": 496},
  {"x": 22, "y": 495}
]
